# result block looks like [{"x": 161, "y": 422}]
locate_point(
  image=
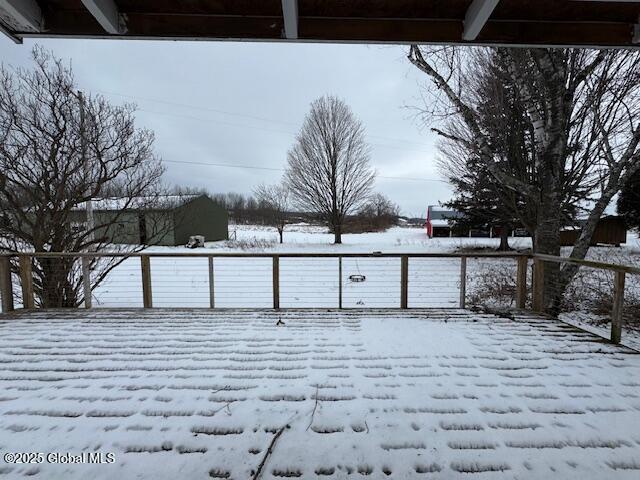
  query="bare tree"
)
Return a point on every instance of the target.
[
  {"x": 378, "y": 213},
  {"x": 274, "y": 200},
  {"x": 59, "y": 150},
  {"x": 328, "y": 167},
  {"x": 582, "y": 111},
  {"x": 380, "y": 205}
]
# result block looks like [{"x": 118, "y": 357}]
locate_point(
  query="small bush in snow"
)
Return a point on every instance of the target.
[{"x": 253, "y": 244}]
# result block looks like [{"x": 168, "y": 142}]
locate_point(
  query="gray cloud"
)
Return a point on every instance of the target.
[{"x": 242, "y": 103}]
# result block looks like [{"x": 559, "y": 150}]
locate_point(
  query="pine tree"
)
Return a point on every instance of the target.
[
  {"x": 629, "y": 202},
  {"x": 479, "y": 195}
]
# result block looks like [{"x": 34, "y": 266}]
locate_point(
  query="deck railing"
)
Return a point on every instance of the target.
[
  {"x": 394, "y": 271},
  {"x": 398, "y": 280},
  {"x": 616, "y": 284}
]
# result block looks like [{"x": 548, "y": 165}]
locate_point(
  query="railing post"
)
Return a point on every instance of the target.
[
  {"x": 339, "y": 282},
  {"x": 86, "y": 281},
  {"x": 147, "y": 296},
  {"x": 26, "y": 279},
  {"x": 6, "y": 285},
  {"x": 521, "y": 282},
  {"x": 276, "y": 281},
  {"x": 618, "y": 302},
  {"x": 538, "y": 285},
  {"x": 463, "y": 282},
  {"x": 404, "y": 281},
  {"x": 212, "y": 297}
]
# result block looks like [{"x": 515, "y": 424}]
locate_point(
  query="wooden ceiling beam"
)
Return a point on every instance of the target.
[
  {"x": 290, "y": 15},
  {"x": 476, "y": 17},
  {"x": 290, "y": 20},
  {"x": 5, "y": 31},
  {"x": 24, "y": 12},
  {"x": 106, "y": 13}
]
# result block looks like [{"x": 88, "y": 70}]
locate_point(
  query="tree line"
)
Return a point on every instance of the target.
[{"x": 272, "y": 205}]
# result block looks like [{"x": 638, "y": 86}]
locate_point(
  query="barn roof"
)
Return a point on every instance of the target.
[
  {"x": 436, "y": 213},
  {"x": 504, "y": 22},
  {"x": 162, "y": 202}
]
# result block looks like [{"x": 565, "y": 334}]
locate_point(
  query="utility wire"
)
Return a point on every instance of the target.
[
  {"x": 254, "y": 127},
  {"x": 242, "y": 115},
  {"x": 275, "y": 169},
  {"x": 263, "y": 119}
]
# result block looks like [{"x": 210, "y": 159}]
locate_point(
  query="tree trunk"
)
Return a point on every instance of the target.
[
  {"x": 504, "y": 240},
  {"x": 280, "y": 232},
  {"x": 337, "y": 234},
  {"x": 547, "y": 241},
  {"x": 53, "y": 283}
]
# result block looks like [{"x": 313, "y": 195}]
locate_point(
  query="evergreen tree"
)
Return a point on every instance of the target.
[
  {"x": 479, "y": 195},
  {"x": 629, "y": 202}
]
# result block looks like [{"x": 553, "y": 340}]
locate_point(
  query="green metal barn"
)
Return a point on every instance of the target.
[{"x": 168, "y": 220}]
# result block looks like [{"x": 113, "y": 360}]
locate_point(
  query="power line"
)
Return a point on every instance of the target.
[
  {"x": 209, "y": 120},
  {"x": 293, "y": 134},
  {"x": 264, "y": 119},
  {"x": 274, "y": 169},
  {"x": 243, "y": 115},
  {"x": 197, "y": 107},
  {"x": 250, "y": 167}
]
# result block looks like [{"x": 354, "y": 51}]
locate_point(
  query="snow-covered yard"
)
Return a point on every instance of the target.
[
  {"x": 309, "y": 238},
  {"x": 308, "y": 282},
  {"x": 415, "y": 394}
]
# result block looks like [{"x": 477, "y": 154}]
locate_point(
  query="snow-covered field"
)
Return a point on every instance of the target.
[
  {"x": 304, "y": 282},
  {"x": 203, "y": 394},
  {"x": 308, "y": 238}
]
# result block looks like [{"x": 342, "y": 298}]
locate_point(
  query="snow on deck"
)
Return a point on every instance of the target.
[{"x": 416, "y": 394}]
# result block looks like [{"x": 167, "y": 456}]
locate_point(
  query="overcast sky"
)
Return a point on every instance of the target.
[{"x": 242, "y": 104}]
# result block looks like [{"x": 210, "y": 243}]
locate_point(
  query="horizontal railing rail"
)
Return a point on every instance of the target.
[
  {"x": 589, "y": 263},
  {"x": 267, "y": 255},
  {"x": 618, "y": 294}
]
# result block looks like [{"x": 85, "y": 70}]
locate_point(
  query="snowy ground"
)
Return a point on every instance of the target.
[
  {"x": 201, "y": 394},
  {"x": 304, "y": 282},
  {"x": 308, "y": 238},
  {"x": 238, "y": 282},
  {"x": 309, "y": 282}
]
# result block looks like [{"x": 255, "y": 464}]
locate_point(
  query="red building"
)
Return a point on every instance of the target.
[{"x": 437, "y": 224}]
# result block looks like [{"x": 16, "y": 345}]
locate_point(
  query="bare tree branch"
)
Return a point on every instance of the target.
[{"x": 56, "y": 153}]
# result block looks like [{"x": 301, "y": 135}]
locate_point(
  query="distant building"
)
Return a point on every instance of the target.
[
  {"x": 442, "y": 223},
  {"x": 437, "y": 224},
  {"x": 168, "y": 220},
  {"x": 610, "y": 230}
]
